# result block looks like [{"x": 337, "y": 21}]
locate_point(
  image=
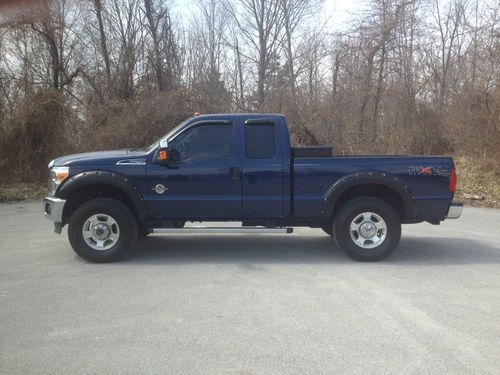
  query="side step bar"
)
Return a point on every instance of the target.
[{"x": 221, "y": 230}]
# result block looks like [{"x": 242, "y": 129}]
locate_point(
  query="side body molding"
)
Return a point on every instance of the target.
[
  {"x": 387, "y": 180},
  {"x": 106, "y": 178}
]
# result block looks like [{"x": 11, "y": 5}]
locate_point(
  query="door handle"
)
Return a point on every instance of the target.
[{"x": 234, "y": 173}]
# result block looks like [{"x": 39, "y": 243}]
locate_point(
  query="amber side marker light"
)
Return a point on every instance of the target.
[
  {"x": 163, "y": 155},
  {"x": 60, "y": 175},
  {"x": 453, "y": 180}
]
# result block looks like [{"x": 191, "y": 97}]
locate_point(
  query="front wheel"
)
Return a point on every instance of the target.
[
  {"x": 328, "y": 229},
  {"x": 102, "y": 230},
  {"x": 367, "y": 229}
]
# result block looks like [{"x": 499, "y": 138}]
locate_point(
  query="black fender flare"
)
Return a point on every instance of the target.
[
  {"x": 389, "y": 180},
  {"x": 114, "y": 179}
]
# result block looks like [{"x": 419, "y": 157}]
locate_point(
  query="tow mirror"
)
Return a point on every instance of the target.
[
  {"x": 166, "y": 154},
  {"x": 174, "y": 155},
  {"x": 163, "y": 153}
]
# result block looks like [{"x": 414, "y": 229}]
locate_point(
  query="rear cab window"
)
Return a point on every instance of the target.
[{"x": 260, "y": 140}]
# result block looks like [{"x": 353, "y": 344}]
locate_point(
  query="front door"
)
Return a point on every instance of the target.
[{"x": 205, "y": 183}]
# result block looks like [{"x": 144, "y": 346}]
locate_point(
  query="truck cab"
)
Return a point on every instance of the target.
[{"x": 222, "y": 169}]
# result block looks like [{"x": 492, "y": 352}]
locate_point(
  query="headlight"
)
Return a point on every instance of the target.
[{"x": 57, "y": 175}]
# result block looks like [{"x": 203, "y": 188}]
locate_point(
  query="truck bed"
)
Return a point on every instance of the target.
[{"x": 428, "y": 177}]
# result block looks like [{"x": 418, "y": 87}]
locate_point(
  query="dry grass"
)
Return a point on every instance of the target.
[
  {"x": 22, "y": 191},
  {"x": 478, "y": 176}
]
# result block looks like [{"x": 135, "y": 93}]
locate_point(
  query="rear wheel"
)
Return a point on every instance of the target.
[
  {"x": 367, "y": 229},
  {"x": 102, "y": 230},
  {"x": 142, "y": 233}
]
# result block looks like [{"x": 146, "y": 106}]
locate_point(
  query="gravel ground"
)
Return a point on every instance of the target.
[{"x": 251, "y": 304}]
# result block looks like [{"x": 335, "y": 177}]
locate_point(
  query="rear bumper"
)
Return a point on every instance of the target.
[
  {"x": 53, "y": 210},
  {"x": 455, "y": 210}
]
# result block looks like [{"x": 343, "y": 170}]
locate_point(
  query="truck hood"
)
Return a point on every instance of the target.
[{"x": 99, "y": 158}]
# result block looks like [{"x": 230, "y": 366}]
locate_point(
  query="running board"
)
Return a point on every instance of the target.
[{"x": 221, "y": 230}]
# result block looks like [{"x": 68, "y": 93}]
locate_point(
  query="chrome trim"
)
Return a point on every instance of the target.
[
  {"x": 199, "y": 229},
  {"x": 53, "y": 208},
  {"x": 455, "y": 210},
  {"x": 131, "y": 162}
]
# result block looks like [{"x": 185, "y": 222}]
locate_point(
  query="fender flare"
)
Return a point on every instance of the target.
[
  {"x": 114, "y": 179},
  {"x": 388, "y": 180}
]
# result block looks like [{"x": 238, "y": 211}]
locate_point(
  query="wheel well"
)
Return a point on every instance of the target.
[
  {"x": 388, "y": 195},
  {"x": 92, "y": 191}
]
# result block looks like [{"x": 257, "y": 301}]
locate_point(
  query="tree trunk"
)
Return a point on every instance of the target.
[
  {"x": 104, "y": 45},
  {"x": 240, "y": 75}
]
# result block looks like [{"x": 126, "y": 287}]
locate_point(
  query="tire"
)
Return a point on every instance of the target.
[
  {"x": 114, "y": 220},
  {"x": 142, "y": 233},
  {"x": 359, "y": 229},
  {"x": 328, "y": 229},
  {"x": 178, "y": 224}
]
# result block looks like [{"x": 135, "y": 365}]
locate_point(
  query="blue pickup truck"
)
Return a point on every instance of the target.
[{"x": 241, "y": 168}]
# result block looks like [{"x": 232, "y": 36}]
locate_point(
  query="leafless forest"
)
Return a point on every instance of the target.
[{"x": 406, "y": 76}]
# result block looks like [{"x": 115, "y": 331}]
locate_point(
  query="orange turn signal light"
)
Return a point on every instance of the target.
[{"x": 59, "y": 175}]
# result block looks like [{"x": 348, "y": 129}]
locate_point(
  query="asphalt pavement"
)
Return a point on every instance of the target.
[{"x": 251, "y": 304}]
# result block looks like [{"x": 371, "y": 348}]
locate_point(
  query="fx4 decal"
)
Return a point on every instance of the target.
[{"x": 429, "y": 171}]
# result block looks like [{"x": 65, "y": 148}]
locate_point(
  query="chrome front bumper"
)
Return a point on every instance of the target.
[
  {"x": 455, "y": 210},
  {"x": 53, "y": 208}
]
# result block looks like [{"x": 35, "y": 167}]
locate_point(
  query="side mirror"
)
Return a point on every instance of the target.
[
  {"x": 162, "y": 155},
  {"x": 166, "y": 154},
  {"x": 175, "y": 155}
]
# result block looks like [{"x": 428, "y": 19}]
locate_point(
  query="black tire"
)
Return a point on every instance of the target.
[
  {"x": 354, "y": 208},
  {"x": 328, "y": 229},
  {"x": 125, "y": 220},
  {"x": 142, "y": 233},
  {"x": 178, "y": 224}
]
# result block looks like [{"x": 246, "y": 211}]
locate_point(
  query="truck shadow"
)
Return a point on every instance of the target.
[{"x": 252, "y": 249}]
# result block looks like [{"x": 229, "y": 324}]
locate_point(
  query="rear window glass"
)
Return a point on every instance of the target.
[{"x": 260, "y": 140}]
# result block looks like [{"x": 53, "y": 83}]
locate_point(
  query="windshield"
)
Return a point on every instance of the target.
[{"x": 167, "y": 136}]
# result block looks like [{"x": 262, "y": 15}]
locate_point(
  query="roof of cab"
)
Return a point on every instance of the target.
[{"x": 237, "y": 115}]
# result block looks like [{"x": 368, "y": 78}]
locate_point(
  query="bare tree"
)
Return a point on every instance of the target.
[
  {"x": 103, "y": 39},
  {"x": 163, "y": 52},
  {"x": 295, "y": 14},
  {"x": 260, "y": 23},
  {"x": 52, "y": 24}
]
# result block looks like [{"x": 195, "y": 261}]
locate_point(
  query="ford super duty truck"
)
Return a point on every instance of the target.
[{"x": 242, "y": 168}]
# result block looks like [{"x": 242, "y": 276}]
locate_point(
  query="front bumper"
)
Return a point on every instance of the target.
[
  {"x": 455, "y": 210},
  {"x": 53, "y": 210}
]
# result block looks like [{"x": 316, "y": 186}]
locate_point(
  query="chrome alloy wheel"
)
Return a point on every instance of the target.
[
  {"x": 368, "y": 230},
  {"x": 101, "y": 232}
]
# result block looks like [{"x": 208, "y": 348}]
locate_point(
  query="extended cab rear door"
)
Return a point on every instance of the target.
[{"x": 263, "y": 168}]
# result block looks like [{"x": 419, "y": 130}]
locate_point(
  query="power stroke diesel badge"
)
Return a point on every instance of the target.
[{"x": 160, "y": 189}]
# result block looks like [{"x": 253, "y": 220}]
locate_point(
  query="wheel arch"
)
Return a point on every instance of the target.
[
  {"x": 385, "y": 186},
  {"x": 95, "y": 184}
]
